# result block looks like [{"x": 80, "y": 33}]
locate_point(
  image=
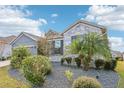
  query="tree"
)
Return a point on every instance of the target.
[
  {"x": 44, "y": 47},
  {"x": 89, "y": 45}
]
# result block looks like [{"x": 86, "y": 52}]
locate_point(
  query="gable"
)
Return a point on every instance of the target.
[
  {"x": 82, "y": 28},
  {"x": 23, "y": 40}
]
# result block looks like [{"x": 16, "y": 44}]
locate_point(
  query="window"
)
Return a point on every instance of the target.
[
  {"x": 75, "y": 37},
  {"x": 57, "y": 44}
]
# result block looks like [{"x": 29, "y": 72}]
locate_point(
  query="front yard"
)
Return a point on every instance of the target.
[
  {"x": 120, "y": 71},
  {"x": 7, "y": 81},
  {"x": 11, "y": 78}
]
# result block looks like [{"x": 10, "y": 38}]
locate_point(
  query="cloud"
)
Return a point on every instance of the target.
[
  {"x": 43, "y": 21},
  {"x": 14, "y": 19},
  {"x": 117, "y": 43},
  {"x": 54, "y": 15},
  {"x": 109, "y": 16},
  {"x": 54, "y": 18}
]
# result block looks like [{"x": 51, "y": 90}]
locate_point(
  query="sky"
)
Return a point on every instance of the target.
[{"x": 39, "y": 19}]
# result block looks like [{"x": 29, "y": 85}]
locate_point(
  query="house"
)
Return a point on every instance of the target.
[
  {"x": 79, "y": 28},
  {"x": 116, "y": 54},
  {"x": 5, "y": 48},
  {"x": 62, "y": 40},
  {"x": 123, "y": 56},
  {"x": 58, "y": 40},
  {"x": 27, "y": 40}
]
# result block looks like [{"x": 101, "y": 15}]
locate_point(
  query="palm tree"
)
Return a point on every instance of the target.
[{"x": 89, "y": 45}]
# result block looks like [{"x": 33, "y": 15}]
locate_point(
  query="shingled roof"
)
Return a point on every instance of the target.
[
  {"x": 33, "y": 37},
  {"x": 7, "y": 40}
]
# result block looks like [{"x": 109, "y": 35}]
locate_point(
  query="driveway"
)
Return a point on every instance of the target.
[{"x": 4, "y": 63}]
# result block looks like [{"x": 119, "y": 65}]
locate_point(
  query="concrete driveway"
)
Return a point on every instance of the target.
[{"x": 4, "y": 63}]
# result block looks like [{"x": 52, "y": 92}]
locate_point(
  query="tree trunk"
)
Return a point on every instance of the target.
[{"x": 81, "y": 61}]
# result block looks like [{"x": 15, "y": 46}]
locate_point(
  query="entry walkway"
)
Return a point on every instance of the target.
[{"x": 4, "y": 63}]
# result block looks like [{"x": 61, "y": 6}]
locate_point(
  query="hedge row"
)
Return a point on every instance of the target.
[
  {"x": 99, "y": 63},
  {"x": 69, "y": 61}
]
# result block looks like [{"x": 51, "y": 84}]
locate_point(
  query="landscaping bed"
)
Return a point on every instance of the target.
[{"x": 56, "y": 79}]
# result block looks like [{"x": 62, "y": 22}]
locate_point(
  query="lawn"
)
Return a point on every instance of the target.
[
  {"x": 120, "y": 70},
  {"x": 8, "y": 82}
]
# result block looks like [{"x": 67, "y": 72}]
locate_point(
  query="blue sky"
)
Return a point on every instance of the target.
[
  {"x": 39, "y": 19},
  {"x": 66, "y": 15}
]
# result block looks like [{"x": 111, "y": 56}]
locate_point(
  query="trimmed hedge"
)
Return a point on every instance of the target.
[
  {"x": 110, "y": 65},
  {"x": 68, "y": 59},
  {"x": 62, "y": 60},
  {"x": 114, "y": 64},
  {"x": 78, "y": 62},
  {"x": 107, "y": 65},
  {"x": 99, "y": 63},
  {"x": 86, "y": 82},
  {"x": 36, "y": 68}
]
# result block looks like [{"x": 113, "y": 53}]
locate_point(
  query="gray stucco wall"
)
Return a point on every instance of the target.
[
  {"x": 28, "y": 42},
  {"x": 78, "y": 29}
]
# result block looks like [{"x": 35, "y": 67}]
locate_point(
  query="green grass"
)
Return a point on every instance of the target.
[
  {"x": 7, "y": 81},
  {"x": 120, "y": 70}
]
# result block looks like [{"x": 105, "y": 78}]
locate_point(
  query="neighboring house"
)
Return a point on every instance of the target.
[
  {"x": 117, "y": 54},
  {"x": 123, "y": 55},
  {"x": 27, "y": 40},
  {"x": 5, "y": 48}
]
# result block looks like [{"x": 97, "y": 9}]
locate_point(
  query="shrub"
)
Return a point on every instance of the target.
[
  {"x": 68, "y": 59},
  {"x": 15, "y": 62},
  {"x": 36, "y": 68},
  {"x": 62, "y": 60},
  {"x": 99, "y": 63},
  {"x": 18, "y": 54},
  {"x": 69, "y": 75},
  {"x": 9, "y": 58},
  {"x": 86, "y": 82},
  {"x": 78, "y": 62},
  {"x": 107, "y": 65},
  {"x": 114, "y": 64},
  {"x": 119, "y": 58},
  {"x": 2, "y": 58},
  {"x": 44, "y": 47}
]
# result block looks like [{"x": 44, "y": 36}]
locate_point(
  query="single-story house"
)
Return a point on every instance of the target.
[
  {"x": 123, "y": 55},
  {"x": 117, "y": 54},
  {"x": 5, "y": 47},
  {"x": 28, "y": 40},
  {"x": 58, "y": 40}
]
